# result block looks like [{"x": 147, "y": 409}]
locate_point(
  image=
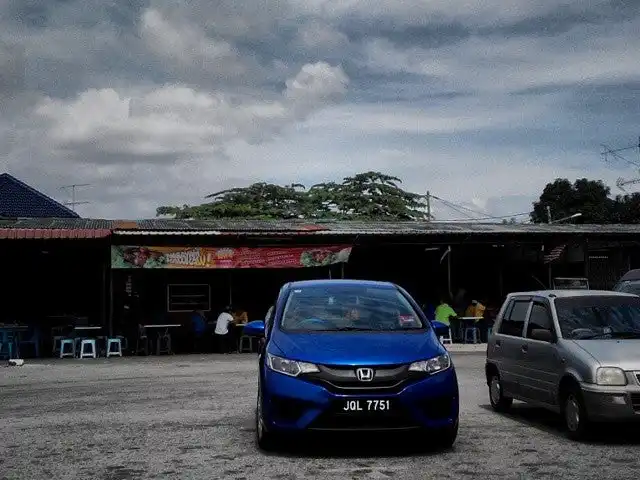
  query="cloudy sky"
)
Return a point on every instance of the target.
[{"x": 481, "y": 102}]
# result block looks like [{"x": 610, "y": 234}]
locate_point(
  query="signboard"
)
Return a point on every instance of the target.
[{"x": 126, "y": 257}]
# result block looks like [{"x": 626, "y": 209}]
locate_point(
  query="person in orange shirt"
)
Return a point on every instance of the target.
[
  {"x": 476, "y": 309},
  {"x": 240, "y": 317},
  {"x": 480, "y": 308}
]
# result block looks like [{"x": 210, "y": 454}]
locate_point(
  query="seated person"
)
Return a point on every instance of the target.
[
  {"x": 198, "y": 329},
  {"x": 240, "y": 316}
]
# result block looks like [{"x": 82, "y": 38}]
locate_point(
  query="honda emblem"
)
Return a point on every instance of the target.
[{"x": 364, "y": 374}]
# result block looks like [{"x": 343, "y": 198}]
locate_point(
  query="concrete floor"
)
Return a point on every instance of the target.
[{"x": 191, "y": 417}]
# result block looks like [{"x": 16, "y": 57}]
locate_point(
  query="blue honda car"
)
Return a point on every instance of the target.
[{"x": 351, "y": 355}]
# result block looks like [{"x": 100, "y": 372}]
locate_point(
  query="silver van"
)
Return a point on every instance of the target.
[{"x": 576, "y": 352}]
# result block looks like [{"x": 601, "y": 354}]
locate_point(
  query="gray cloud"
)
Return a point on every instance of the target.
[{"x": 160, "y": 101}]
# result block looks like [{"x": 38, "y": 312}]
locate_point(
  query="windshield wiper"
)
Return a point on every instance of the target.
[{"x": 351, "y": 329}]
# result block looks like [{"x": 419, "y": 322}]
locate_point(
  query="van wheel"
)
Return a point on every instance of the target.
[
  {"x": 574, "y": 414},
  {"x": 499, "y": 401}
]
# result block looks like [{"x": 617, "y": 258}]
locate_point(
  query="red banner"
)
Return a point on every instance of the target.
[{"x": 123, "y": 257}]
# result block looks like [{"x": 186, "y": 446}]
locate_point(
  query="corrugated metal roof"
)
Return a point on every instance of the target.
[
  {"x": 351, "y": 228},
  {"x": 305, "y": 227},
  {"x": 173, "y": 232},
  {"x": 55, "y": 233},
  {"x": 236, "y": 225},
  {"x": 57, "y": 223}
]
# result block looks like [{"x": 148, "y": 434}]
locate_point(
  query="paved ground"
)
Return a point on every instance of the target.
[{"x": 192, "y": 417}]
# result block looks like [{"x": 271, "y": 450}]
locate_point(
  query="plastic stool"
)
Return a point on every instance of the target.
[
  {"x": 56, "y": 344},
  {"x": 114, "y": 342},
  {"x": 92, "y": 350},
  {"x": 471, "y": 335},
  {"x": 67, "y": 342},
  {"x": 10, "y": 344},
  {"x": 446, "y": 339},
  {"x": 245, "y": 345},
  {"x": 9, "y": 349}
]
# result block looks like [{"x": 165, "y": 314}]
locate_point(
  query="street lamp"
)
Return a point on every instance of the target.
[{"x": 570, "y": 217}]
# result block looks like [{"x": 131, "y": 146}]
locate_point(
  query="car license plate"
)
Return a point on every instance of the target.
[{"x": 362, "y": 406}]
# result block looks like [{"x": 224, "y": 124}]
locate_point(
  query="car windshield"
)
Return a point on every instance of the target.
[
  {"x": 632, "y": 286},
  {"x": 349, "y": 308},
  {"x": 598, "y": 317}
]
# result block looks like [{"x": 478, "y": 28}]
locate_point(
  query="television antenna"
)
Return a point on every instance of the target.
[
  {"x": 611, "y": 154},
  {"x": 72, "y": 188}
]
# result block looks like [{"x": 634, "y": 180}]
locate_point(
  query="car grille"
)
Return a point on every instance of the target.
[
  {"x": 635, "y": 401},
  {"x": 343, "y": 380},
  {"x": 398, "y": 418}
]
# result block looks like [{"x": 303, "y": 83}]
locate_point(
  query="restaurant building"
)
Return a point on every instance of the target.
[{"x": 119, "y": 274}]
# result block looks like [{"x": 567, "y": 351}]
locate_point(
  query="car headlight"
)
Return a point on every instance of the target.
[
  {"x": 612, "y": 376},
  {"x": 433, "y": 365},
  {"x": 293, "y": 368}
]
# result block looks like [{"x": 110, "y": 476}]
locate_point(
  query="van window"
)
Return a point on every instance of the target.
[
  {"x": 539, "y": 319},
  {"x": 513, "y": 322}
]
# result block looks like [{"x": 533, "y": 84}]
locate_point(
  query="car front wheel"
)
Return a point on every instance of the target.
[
  {"x": 499, "y": 401},
  {"x": 448, "y": 436},
  {"x": 265, "y": 439},
  {"x": 440, "y": 438},
  {"x": 575, "y": 414}
]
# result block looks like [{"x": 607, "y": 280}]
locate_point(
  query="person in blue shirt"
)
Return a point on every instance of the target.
[{"x": 198, "y": 330}]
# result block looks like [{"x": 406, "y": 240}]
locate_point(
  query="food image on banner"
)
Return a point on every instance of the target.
[{"x": 126, "y": 257}]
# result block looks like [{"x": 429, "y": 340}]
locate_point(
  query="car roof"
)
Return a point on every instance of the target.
[
  {"x": 631, "y": 275},
  {"x": 571, "y": 293},
  {"x": 338, "y": 282}
]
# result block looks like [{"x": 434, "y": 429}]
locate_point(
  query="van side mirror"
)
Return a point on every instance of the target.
[{"x": 542, "y": 334}]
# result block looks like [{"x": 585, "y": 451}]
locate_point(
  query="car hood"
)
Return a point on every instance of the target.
[
  {"x": 614, "y": 353},
  {"x": 355, "y": 348}
]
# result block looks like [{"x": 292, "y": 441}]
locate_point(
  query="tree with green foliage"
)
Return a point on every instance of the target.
[
  {"x": 369, "y": 195},
  {"x": 257, "y": 201},
  {"x": 588, "y": 197},
  {"x": 365, "y": 196},
  {"x": 626, "y": 208}
]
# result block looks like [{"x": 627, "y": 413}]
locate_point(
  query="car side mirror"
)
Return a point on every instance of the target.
[
  {"x": 254, "y": 329},
  {"x": 542, "y": 334}
]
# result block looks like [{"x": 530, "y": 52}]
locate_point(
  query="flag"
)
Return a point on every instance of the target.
[{"x": 555, "y": 253}]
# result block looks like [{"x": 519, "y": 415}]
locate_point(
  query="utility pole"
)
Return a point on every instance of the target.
[
  {"x": 428, "y": 206},
  {"x": 73, "y": 187},
  {"x": 548, "y": 214}
]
